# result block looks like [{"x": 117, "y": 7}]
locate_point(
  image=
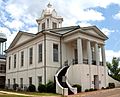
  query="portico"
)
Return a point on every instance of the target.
[{"x": 86, "y": 52}]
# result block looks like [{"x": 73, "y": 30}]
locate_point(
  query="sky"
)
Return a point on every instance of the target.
[{"x": 16, "y": 15}]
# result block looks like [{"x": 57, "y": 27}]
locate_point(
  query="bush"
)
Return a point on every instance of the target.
[
  {"x": 86, "y": 90},
  {"x": 32, "y": 88},
  {"x": 41, "y": 88},
  {"x": 50, "y": 87},
  {"x": 79, "y": 88},
  {"x": 95, "y": 89},
  {"x": 15, "y": 86},
  {"x": 111, "y": 85},
  {"x": 91, "y": 89}
]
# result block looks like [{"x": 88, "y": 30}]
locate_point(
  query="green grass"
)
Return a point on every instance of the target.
[
  {"x": 8, "y": 95},
  {"x": 27, "y": 93}
]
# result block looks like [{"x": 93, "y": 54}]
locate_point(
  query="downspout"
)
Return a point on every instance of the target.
[{"x": 45, "y": 59}]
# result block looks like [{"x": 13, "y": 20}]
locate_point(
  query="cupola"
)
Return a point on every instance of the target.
[{"x": 49, "y": 19}]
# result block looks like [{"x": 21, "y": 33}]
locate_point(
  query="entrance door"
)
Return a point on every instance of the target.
[
  {"x": 76, "y": 56},
  {"x": 96, "y": 82}
]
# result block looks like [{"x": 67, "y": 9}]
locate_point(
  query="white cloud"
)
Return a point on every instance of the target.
[
  {"x": 117, "y": 16},
  {"x": 8, "y": 34},
  {"x": 25, "y": 12},
  {"x": 32, "y": 30},
  {"x": 110, "y": 54},
  {"x": 107, "y": 31},
  {"x": 84, "y": 24}
]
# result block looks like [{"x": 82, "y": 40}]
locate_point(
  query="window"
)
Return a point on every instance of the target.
[
  {"x": 43, "y": 26},
  {"x": 22, "y": 58},
  {"x": 39, "y": 80},
  {"x": 9, "y": 62},
  {"x": 47, "y": 23},
  {"x": 55, "y": 52},
  {"x": 8, "y": 82},
  {"x": 2, "y": 68},
  {"x": 14, "y": 81},
  {"x": 54, "y": 25},
  {"x": 15, "y": 61},
  {"x": 30, "y": 80},
  {"x": 21, "y": 82},
  {"x": 40, "y": 53},
  {"x": 30, "y": 55}
]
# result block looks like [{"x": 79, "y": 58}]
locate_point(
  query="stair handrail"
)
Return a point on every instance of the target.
[
  {"x": 73, "y": 89},
  {"x": 63, "y": 91}
]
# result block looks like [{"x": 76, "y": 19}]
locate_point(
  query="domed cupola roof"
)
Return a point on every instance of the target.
[{"x": 49, "y": 11}]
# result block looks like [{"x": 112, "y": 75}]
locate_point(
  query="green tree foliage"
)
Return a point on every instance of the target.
[{"x": 114, "y": 68}]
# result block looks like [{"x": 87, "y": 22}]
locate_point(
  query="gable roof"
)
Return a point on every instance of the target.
[
  {"x": 96, "y": 30},
  {"x": 18, "y": 36}
]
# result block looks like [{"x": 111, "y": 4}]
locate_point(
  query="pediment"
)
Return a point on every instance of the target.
[
  {"x": 94, "y": 31},
  {"x": 20, "y": 38}
]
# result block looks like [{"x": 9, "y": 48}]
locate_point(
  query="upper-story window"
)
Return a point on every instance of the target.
[
  {"x": 43, "y": 26},
  {"x": 22, "y": 58},
  {"x": 40, "y": 53},
  {"x": 55, "y": 52},
  {"x": 31, "y": 55},
  {"x": 9, "y": 63},
  {"x": 15, "y": 61},
  {"x": 54, "y": 25}
]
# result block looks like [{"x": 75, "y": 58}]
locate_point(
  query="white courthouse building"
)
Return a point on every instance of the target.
[{"x": 78, "y": 53}]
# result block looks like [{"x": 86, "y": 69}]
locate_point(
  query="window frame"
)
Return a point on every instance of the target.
[
  {"x": 9, "y": 62},
  {"x": 55, "y": 52},
  {"x": 40, "y": 50},
  {"x": 22, "y": 58},
  {"x": 15, "y": 60},
  {"x": 31, "y": 55}
]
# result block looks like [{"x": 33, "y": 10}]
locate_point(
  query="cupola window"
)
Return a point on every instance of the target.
[
  {"x": 54, "y": 25},
  {"x": 43, "y": 26}
]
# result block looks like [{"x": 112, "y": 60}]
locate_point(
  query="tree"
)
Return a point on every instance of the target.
[{"x": 114, "y": 68}]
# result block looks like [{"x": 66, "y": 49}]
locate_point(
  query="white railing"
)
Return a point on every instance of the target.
[
  {"x": 59, "y": 88},
  {"x": 73, "y": 89}
]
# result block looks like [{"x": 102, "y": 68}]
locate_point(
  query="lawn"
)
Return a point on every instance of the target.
[{"x": 27, "y": 93}]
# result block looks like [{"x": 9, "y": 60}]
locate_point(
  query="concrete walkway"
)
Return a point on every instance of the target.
[{"x": 100, "y": 93}]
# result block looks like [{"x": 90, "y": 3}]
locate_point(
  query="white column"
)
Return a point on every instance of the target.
[
  {"x": 89, "y": 52},
  {"x": 97, "y": 54},
  {"x": 103, "y": 56},
  {"x": 79, "y": 49},
  {"x": 0, "y": 48}
]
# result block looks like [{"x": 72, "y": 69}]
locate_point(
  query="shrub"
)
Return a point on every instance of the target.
[
  {"x": 103, "y": 88},
  {"x": 111, "y": 85},
  {"x": 107, "y": 88},
  {"x": 50, "y": 87},
  {"x": 79, "y": 88},
  {"x": 15, "y": 86},
  {"x": 86, "y": 90},
  {"x": 95, "y": 89},
  {"x": 32, "y": 88},
  {"x": 91, "y": 89},
  {"x": 41, "y": 88}
]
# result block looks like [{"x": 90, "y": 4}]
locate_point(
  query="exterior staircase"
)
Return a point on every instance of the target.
[{"x": 62, "y": 83}]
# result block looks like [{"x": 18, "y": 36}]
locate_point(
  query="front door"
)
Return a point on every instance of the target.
[{"x": 96, "y": 82}]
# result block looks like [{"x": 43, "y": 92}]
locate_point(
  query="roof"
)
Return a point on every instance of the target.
[{"x": 62, "y": 30}]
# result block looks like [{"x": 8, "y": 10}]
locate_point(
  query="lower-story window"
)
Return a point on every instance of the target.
[
  {"x": 39, "y": 80},
  {"x": 21, "y": 82},
  {"x": 8, "y": 83},
  {"x": 30, "y": 80}
]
